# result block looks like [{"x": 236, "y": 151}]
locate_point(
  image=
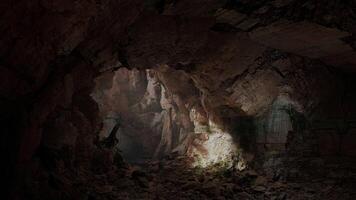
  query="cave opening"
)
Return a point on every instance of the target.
[
  {"x": 147, "y": 117},
  {"x": 151, "y": 128}
]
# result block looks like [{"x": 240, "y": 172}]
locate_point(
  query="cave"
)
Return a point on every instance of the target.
[{"x": 178, "y": 99}]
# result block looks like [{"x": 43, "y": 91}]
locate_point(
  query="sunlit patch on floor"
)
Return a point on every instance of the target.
[{"x": 215, "y": 147}]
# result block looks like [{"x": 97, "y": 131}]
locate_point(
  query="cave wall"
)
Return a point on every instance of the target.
[
  {"x": 279, "y": 103},
  {"x": 51, "y": 52}
]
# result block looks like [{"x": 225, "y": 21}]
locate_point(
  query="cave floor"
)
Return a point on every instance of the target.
[{"x": 171, "y": 179}]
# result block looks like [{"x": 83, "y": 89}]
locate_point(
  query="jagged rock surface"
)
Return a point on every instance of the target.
[{"x": 234, "y": 76}]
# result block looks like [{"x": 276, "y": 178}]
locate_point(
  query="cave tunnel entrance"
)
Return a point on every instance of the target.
[
  {"x": 129, "y": 104},
  {"x": 149, "y": 117}
]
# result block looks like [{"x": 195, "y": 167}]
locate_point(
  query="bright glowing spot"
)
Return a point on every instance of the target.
[
  {"x": 218, "y": 149},
  {"x": 213, "y": 146}
]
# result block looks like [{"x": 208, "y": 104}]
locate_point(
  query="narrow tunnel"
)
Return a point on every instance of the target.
[{"x": 188, "y": 99}]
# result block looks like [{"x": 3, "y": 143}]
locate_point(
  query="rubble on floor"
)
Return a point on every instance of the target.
[{"x": 172, "y": 179}]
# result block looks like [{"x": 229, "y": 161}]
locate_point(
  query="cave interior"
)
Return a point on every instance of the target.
[{"x": 178, "y": 99}]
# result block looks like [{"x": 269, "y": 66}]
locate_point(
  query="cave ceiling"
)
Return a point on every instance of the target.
[{"x": 200, "y": 36}]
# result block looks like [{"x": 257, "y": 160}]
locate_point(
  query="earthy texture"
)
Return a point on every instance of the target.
[{"x": 235, "y": 85}]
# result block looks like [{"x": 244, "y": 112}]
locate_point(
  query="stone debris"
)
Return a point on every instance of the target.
[{"x": 176, "y": 181}]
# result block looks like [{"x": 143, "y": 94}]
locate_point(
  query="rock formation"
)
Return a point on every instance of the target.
[{"x": 262, "y": 90}]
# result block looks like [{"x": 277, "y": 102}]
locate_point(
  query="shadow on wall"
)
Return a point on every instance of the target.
[
  {"x": 268, "y": 131},
  {"x": 336, "y": 134},
  {"x": 285, "y": 127},
  {"x": 273, "y": 127},
  {"x": 280, "y": 129}
]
